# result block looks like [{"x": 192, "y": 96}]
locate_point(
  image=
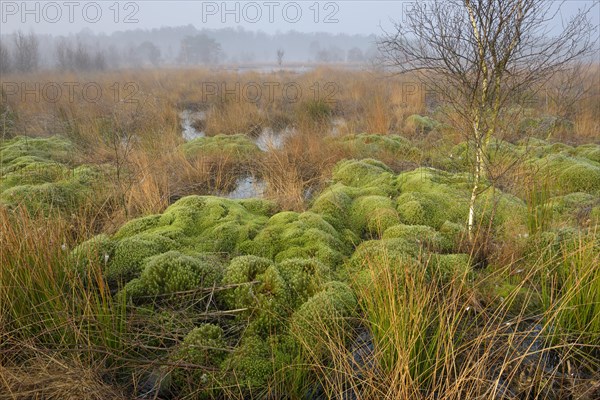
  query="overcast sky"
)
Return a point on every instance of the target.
[{"x": 347, "y": 16}]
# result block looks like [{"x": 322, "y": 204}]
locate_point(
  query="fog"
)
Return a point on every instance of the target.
[{"x": 140, "y": 34}]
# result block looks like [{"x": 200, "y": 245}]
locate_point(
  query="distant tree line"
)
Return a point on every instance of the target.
[
  {"x": 25, "y": 54},
  {"x": 76, "y": 57},
  {"x": 199, "y": 49},
  {"x": 86, "y": 51}
]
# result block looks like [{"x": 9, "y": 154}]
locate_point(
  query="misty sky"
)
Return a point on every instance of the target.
[{"x": 348, "y": 16}]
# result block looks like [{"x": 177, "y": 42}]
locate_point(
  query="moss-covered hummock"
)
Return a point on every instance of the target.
[
  {"x": 47, "y": 197},
  {"x": 431, "y": 209},
  {"x": 93, "y": 255},
  {"x": 452, "y": 234},
  {"x": 364, "y": 200},
  {"x": 446, "y": 267},
  {"x": 333, "y": 204},
  {"x": 361, "y": 198},
  {"x": 507, "y": 213},
  {"x": 595, "y": 215},
  {"x": 570, "y": 209},
  {"x": 299, "y": 235},
  {"x": 426, "y": 235},
  {"x": 24, "y": 150},
  {"x": 367, "y": 173},
  {"x": 421, "y": 124},
  {"x": 39, "y": 174},
  {"x": 553, "y": 245},
  {"x": 366, "y": 145},
  {"x": 568, "y": 174},
  {"x": 244, "y": 271},
  {"x": 390, "y": 252},
  {"x": 204, "y": 223},
  {"x": 131, "y": 253},
  {"x": 251, "y": 363},
  {"x": 173, "y": 272},
  {"x": 514, "y": 299},
  {"x": 325, "y": 318},
  {"x": 258, "y": 362},
  {"x": 430, "y": 179},
  {"x": 431, "y": 197},
  {"x": 498, "y": 152},
  {"x": 192, "y": 225},
  {"x": 272, "y": 291},
  {"x": 235, "y": 147},
  {"x": 543, "y": 127},
  {"x": 590, "y": 151},
  {"x": 205, "y": 348},
  {"x": 304, "y": 278},
  {"x": 34, "y": 173},
  {"x": 263, "y": 293},
  {"x": 373, "y": 215}
]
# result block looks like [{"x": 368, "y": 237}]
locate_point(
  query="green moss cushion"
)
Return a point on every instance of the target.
[
  {"x": 568, "y": 174},
  {"x": 365, "y": 173},
  {"x": 366, "y": 145},
  {"x": 38, "y": 174},
  {"x": 299, "y": 235},
  {"x": 325, "y": 317},
  {"x": 237, "y": 147},
  {"x": 173, "y": 272}
]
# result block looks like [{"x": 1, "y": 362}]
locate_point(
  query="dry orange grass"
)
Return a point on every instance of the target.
[
  {"x": 153, "y": 172},
  {"x": 587, "y": 122},
  {"x": 371, "y": 102},
  {"x": 46, "y": 377},
  {"x": 234, "y": 116},
  {"x": 300, "y": 167},
  {"x": 140, "y": 138}
]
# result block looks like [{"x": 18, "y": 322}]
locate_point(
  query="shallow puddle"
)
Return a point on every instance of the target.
[
  {"x": 338, "y": 126},
  {"x": 269, "y": 139},
  {"x": 188, "y": 117},
  {"x": 248, "y": 187}
]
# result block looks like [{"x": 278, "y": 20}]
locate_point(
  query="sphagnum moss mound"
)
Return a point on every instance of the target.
[
  {"x": 304, "y": 277},
  {"x": 446, "y": 267},
  {"x": 431, "y": 197},
  {"x": 214, "y": 224},
  {"x": 392, "y": 251},
  {"x": 373, "y": 214},
  {"x": 257, "y": 363},
  {"x": 366, "y": 145},
  {"x": 272, "y": 291},
  {"x": 244, "y": 270},
  {"x": 422, "y": 233},
  {"x": 261, "y": 291},
  {"x": 280, "y": 269},
  {"x": 566, "y": 174},
  {"x": 131, "y": 253},
  {"x": 292, "y": 235},
  {"x": 40, "y": 174},
  {"x": 325, "y": 317},
  {"x": 365, "y": 173},
  {"x": 334, "y": 205},
  {"x": 173, "y": 272},
  {"x": 421, "y": 124},
  {"x": 55, "y": 148},
  {"x": 192, "y": 225},
  {"x": 590, "y": 151},
  {"x": 34, "y": 173},
  {"x": 93, "y": 255},
  {"x": 205, "y": 348},
  {"x": 238, "y": 147}
]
